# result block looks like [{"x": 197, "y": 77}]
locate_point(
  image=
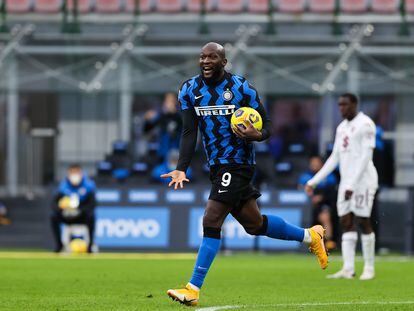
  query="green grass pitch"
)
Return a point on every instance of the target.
[{"x": 42, "y": 281}]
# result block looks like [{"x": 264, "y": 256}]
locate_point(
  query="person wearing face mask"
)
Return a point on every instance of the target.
[
  {"x": 74, "y": 203},
  {"x": 169, "y": 123}
]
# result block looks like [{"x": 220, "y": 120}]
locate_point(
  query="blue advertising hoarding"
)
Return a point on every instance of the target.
[{"x": 132, "y": 227}]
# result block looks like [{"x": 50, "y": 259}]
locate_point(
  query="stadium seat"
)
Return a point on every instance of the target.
[
  {"x": 230, "y": 6},
  {"x": 291, "y": 6},
  {"x": 409, "y": 6},
  {"x": 84, "y": 6},
  {"x": 48, "y": 6},
  {"x": 195, "y": 5},
  {"x": 168, "y": 6},
  {"x": 322, "y": 6},
  {"x": 354, "y": 6},
  {"x": 385, "y": 6},
  {"x": 18, "y": 6},
  {"x": 144, "y": 5},
  {"x": 108, "y": 6},
  {"x": 258, "y": 6}
]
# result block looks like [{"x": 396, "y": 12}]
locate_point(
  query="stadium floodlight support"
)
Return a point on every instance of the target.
[
  {"x": 363, "y": 31},
  {"x": 244, "y": 33},
  {"x": 127, "y": 44},
  {"x": 18, "y": 34}
]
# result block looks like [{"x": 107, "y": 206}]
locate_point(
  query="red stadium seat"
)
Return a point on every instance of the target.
[
  {"x": 385, "y": 6},
  {"x": 108, "y": 6},
  {"x": 409, "y": 6},
  {"x": 322, "y": 6},
  {"x": 195, "y": 5},
  {"x": 258, "y": 6},
  {"x": 230, "y": 6},
  {"x": 144, "y": 5},
  {"x": 48, "y": 6},
  {"x": 168, "y": 6},
  {"x": 84, "y": 6},
  {"x": 291, "y": 6},
  {"x": 354, "y": 6},
  {"x": 18, "y": 6}
]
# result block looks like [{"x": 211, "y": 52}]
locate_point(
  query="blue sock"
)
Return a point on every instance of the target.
[
  {"x": 207, "y": 252},
  {"x": 277, "y": 228}
]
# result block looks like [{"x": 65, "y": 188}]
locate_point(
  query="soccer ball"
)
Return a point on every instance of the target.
[
  {"x": 78, "y": 246},
  {"x": 242, "y": 114}
]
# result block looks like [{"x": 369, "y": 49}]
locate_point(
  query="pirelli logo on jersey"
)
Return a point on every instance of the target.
[{"x": 220, "y": 110}]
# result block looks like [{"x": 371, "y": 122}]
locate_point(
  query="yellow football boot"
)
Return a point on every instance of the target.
[
  {"x": 317, "y": 246},
  {"x": 186, "y": 296}
]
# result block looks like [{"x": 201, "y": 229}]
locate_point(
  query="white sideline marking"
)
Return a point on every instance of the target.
[{"x": 310, "y": 304}]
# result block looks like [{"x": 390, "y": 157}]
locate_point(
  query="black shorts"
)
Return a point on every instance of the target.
[{"x": 232, "y": 184}]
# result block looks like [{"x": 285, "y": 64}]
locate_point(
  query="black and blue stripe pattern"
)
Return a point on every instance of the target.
[{"x": 214, "y": 106}]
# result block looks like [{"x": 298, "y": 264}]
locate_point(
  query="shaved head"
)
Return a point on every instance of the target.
[
  {"x": 212, "y": 62},
  {"x": 214, "y": 46}
]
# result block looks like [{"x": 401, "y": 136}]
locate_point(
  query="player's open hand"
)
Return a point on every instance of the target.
[
  {"x": 250, "y": 133},
  {"x": 309, "y": 190},
  {"x": 177, "y": 178}
]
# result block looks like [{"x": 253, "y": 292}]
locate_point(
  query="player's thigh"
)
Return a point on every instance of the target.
[
  {"x": 215, "y": 214},
  {"x": 347, "y": 222},
  {"x": 249, "y": 216},
  {"x": 362, "y": 201}
]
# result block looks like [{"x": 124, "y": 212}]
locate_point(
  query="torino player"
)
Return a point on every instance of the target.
[{"x": 353, "y": 151}]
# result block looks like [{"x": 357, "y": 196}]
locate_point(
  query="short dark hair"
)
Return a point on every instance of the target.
[
  {"x": 74, "y": 166},
  {"x": 351, "y": 96}
]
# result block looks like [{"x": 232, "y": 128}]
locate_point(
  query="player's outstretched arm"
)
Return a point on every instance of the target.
[{"x": 177, "y": 178}]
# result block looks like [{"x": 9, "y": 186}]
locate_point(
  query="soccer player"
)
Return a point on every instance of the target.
[
  {"x": 207, "y": 102},
  {"x": 353, "y": 149}
]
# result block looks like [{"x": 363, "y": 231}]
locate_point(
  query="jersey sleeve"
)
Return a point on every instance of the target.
[
  {"x": 368, "y": 135},
  {"x": 184, "y": 96},
  {"x": 250, "y": 95}
]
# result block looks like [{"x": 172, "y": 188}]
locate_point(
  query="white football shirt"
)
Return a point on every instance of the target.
[{"x": 351, "y": 139}]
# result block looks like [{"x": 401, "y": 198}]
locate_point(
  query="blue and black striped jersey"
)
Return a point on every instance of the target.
[{"x": 213, "y": 106}]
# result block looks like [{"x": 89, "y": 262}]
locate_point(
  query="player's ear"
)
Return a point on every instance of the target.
[{"x": 224, "y": 62}]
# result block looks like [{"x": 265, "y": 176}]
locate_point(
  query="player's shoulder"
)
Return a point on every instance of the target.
[
  {"x": 189, "y": 84},
  {"x": 341, "y": 125},
  {"x": 365, "y": 121}
]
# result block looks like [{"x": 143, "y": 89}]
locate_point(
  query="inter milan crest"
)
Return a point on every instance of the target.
[{"x": 227, "y": 95}]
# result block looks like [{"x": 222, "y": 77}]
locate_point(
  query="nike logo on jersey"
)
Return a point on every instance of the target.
[
  {"x": 218, "y": 110},
  {"x": 221, "y": 191},
  {"x": 197, "y": 97}
]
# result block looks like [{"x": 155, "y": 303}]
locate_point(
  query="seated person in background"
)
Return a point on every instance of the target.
[
  {"x": 4, "y": 220},
  {"x": 74, "y": 203},
  {"x": 166, "y": 167},
  {"x": 323, "y": 199},
  {"x": 169, "y": 123}
]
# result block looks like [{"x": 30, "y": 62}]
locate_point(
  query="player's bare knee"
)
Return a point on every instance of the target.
[
  {"x": 257, "y": 227},
  {"x": 365, "y": 225}
]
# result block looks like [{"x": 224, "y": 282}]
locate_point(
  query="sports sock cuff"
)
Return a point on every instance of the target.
[
  {"x": 263, "y": 229},
  {"x": 368, "y": 237},
  {"x": 213, "y": 233},
  {"x": 350, "y": 236}
]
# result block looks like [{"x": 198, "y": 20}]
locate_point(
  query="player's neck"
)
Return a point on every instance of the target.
[
  {"x": 216, "y": 80},
  {"x": 352, "y": 116}
]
